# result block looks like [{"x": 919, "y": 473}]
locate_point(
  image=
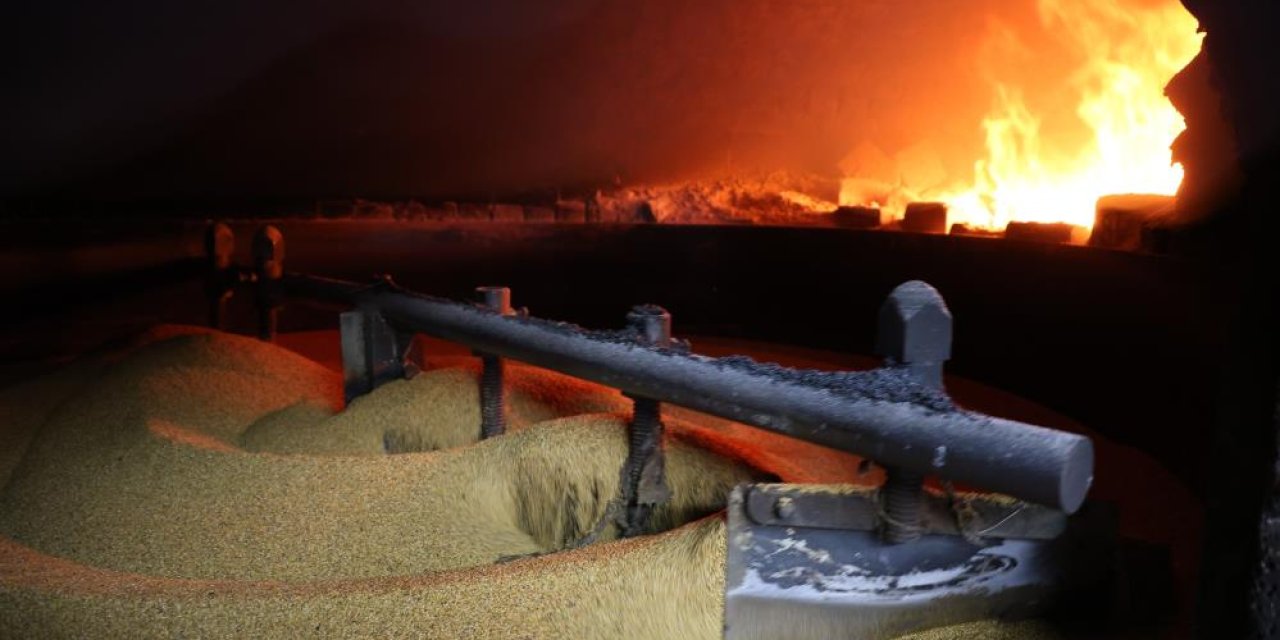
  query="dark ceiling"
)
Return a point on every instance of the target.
[{"x": 141, "y": 98}]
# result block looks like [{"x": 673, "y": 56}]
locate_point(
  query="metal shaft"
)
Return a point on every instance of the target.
[
  {"x": 644, "y": 482},
  {"x": 915, "y": 333},
  {"x": 886, "y": 414},
  {"x": 902, "y": 500},
  {"x": 493, "y": 413},
  {"x": 219, "y": 246},
  {"x": 268, "y": 260},
  {"x": 493, "y": 418}
]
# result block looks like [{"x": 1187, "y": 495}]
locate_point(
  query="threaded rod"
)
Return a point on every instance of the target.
[{"x": 493, "y": 419}]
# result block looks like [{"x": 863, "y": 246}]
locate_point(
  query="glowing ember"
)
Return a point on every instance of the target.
[
  {"x": 1126, "y": 55},
  {"x": 807, "y": 201}
]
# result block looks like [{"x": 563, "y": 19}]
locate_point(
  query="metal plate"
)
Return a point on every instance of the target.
[
  {"x": 856, "y": 508},
  {"x": 800, "y": 582}
]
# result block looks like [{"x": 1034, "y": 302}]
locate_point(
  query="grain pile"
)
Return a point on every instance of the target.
[{"x": 208, "y": 485}]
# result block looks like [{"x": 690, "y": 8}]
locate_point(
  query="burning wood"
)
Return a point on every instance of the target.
[{"x": 1116, "y": 141}]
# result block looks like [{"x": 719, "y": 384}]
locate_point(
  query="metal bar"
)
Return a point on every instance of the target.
[
  {"x": 219, "y": 246},
  {"x": 493, "y": 412},
  {"x": 882, "y": 414},
  {"x": 644, "y": 476},
  {"x": 268, "y": 264}
]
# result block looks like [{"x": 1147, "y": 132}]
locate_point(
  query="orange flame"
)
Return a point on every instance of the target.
[{"x": 1128, "y": 53}]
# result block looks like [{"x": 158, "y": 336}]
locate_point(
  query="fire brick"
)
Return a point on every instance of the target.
[
  {"x": 571, "y": 211},
  {"x": 507, "y": 213},
  {"x": 962, "y": 229},
  {"x": 856, "y": 217},
  {"x": 448, "y": 211},
  {"x": 1049, "y": 232},
  {"x": 1121, "y": 219},
  {"x": 539, "y": 214},
  {"x": 925, "y": 217},
  {"x": 473, "y": 211}
]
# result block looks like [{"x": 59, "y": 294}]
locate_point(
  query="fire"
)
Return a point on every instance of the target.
[{"x": 1127, "y": 53}]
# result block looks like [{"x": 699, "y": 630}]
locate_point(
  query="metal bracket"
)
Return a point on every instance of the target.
[
  {"x": 806, "y": 562},
  {"x": 854, "y": 508},
  {"x": 373, "y": 352}
]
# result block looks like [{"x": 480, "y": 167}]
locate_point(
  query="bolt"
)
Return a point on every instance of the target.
[
  {"x": 652, "y": 325},
  {"x": 903, "y": 494},
  {"x": 268, "y": 262},
  {"x": 493, "y": 419},
  {"x": 915, "y": 333},
  {"x": 644, "y": 474},
  {"x": 784, "y": 508},
  {"x": 495, "y": 299},
  {"x": 644, "y": 470}
]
